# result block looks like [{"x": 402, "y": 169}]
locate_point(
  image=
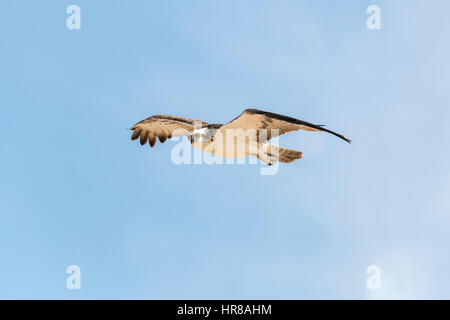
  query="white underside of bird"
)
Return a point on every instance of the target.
[{"x": 230, "y": 144}]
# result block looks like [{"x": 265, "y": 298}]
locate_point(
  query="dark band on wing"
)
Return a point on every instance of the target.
[
  {"x": 295, "y": 121},
  {"x": 173, "y": 118}
]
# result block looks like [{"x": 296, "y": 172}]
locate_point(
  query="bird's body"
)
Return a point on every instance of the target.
[{"x": 248, "y": 134}]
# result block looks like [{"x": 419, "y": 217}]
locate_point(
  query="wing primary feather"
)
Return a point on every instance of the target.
[
  {"x": 152, "y": 141},
  {"x": 144, "y": 136},
  {"x": 135, "y": 134}
]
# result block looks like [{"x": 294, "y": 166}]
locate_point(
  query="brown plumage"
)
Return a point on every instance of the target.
[
  {"x": 273, "y": 123},
  {"x": 257, "y": 126},
  {"x": 163, "y": 127}
]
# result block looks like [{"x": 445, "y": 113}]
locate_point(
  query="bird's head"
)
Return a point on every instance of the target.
[
  {"x": 197, "y": 135},
  {"x": 202, "y": 135}
]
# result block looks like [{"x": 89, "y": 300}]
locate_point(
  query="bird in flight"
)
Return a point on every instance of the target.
[{"x": 247, "y": 134}]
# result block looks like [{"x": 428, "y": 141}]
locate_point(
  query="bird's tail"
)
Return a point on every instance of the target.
[
  {"x": 288, "y": 155},
  {"x": 269, "y": 153}
]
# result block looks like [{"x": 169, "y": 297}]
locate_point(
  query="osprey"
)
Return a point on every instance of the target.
[{"x": 248, "y": 134}]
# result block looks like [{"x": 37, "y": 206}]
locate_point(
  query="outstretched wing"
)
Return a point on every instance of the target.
[
  {"x": 163, "y": 127},
  {"x": 274, "y": 124}
]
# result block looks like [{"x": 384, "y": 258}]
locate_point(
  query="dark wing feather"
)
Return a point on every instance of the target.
[
  {"x": 275, "y": 124},
  {"x": 163, "y": 127}
]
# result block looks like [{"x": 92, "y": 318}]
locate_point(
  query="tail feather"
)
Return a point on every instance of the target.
[
  {"x": 288, "y": 155},
  {"x": 270, "y": 154}
]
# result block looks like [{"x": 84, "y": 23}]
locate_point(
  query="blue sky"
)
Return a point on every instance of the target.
[{"x": 76, "y": 191}]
